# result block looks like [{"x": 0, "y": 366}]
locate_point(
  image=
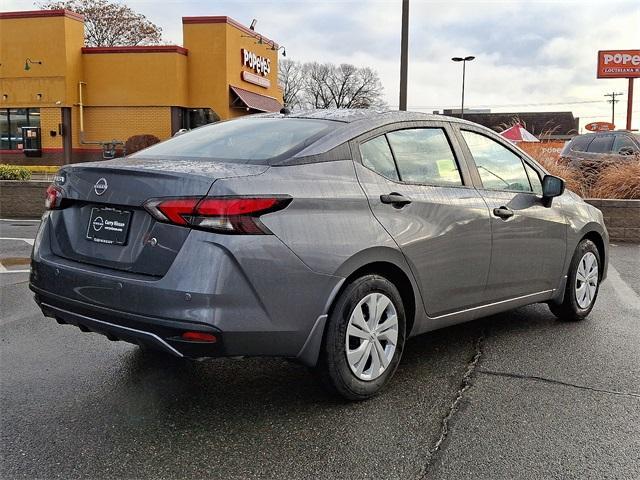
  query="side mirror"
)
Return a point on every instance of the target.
[{"x": 552, "y": 186}]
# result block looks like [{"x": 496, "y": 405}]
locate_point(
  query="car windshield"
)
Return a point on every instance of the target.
[{"x": 247, "y": 140}]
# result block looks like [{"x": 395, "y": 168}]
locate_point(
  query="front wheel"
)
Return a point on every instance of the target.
[
  {"x": 364, "y": 339},
  {"x": 583, "y": 283}
]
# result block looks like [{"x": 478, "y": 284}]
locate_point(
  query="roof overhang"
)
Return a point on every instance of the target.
[{"x": 253, "y": 101}]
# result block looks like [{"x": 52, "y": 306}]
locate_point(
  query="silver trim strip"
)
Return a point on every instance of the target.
[
  {"x": 139, "y": 332},
  {"x": 492, "y": 304}
]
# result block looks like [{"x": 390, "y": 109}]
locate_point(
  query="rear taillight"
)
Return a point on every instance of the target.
[
  {"x": 53, "y": 198},
  {"x": 219, "y": 214}
]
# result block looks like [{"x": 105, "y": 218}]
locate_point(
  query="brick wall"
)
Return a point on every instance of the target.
[
  {"x": 622, "y": 218},
  {"x": 120, "y": 123}
]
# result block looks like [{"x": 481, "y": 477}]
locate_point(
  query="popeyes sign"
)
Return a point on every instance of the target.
[{"x": 619, "y": 64}]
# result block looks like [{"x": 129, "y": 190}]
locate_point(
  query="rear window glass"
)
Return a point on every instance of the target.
[{"x": 247, "y": 140}]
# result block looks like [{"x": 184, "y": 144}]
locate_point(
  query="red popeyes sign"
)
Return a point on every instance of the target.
[
  {"x": 600, "y": 126},
  {"x": 619, "y": 64}
]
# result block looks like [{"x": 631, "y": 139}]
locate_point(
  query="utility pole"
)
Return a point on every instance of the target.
[
  {"x": 404, "y": 55},
  {"x": 613, "y": 102}
]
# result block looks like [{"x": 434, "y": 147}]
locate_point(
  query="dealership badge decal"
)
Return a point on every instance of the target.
[
  {"x": 97, "y": 224},
  {"x": 101, "y": 186}
]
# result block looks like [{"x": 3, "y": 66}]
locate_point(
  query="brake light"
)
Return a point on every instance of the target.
[
  {"x": 53, "y": 198},
  {"x": 238, "y": 215}
]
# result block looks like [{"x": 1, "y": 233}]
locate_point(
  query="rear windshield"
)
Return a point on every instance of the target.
[{"x": 246, "y": 140}]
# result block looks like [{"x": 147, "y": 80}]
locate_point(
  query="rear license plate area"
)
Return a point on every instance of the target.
[{"x": 108, "y": 226}]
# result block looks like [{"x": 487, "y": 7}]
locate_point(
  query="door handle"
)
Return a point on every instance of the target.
[
  {"x": 503, "y": 212},
  {"x": 395, "y": 199}
]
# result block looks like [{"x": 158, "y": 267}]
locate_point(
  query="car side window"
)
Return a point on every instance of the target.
[
  {"x": 377, "y": 156},
  {"x": 601, "y": 144},
  {"x": 624, "y": 145},
  {"x": 424, "y": 156},
  {"x": 534, "y": 178},
  {"x": 499, "y": 168},
  {"x": 581, "y": 143}
]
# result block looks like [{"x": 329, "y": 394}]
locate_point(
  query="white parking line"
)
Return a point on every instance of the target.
[
  {"x": 625, "y": 293},
  {"x": 28, "y": 240}
]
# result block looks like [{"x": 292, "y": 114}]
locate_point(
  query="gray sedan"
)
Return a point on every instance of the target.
[{"x": 327, "y": 237}]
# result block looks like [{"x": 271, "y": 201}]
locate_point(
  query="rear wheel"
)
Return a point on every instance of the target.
[
  {"x": 583, "y": 284},
  {"x": 364, "y": 339}
]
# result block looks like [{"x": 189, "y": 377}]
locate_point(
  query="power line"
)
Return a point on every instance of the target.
[{"x": 436, "y": 107}]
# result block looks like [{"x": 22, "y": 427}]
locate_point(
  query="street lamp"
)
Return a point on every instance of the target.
[
  {"x": 464, "y": 64},
  {"x": 28, "y": 62}
]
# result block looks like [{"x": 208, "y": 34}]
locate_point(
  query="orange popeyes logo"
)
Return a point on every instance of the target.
[{"x": 619, "y": 64}]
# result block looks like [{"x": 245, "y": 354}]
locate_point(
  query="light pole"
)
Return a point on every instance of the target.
[
  {"x": 404, "y": 54},
  {"x": 464, "y": 64}
]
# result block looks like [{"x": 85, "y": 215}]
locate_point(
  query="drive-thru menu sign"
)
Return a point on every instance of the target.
[{"x": 619, "y": 64}]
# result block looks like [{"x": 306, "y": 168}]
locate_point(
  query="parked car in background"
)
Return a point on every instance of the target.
[
  {"x": 328, "y": 237},
  {"x": 594, "y": 146}
]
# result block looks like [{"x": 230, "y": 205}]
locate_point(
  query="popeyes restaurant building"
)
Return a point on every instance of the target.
[{"x": 61, "y": 102}]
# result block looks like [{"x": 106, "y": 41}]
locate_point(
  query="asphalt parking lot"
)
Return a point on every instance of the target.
[{"x": 516, "y": 395}]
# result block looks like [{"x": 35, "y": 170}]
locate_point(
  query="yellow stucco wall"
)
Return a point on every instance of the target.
[
  {"x": 135, "y": 79},
  {"x": 215, "y": 62},
  {"x": 56, "y": 42}
]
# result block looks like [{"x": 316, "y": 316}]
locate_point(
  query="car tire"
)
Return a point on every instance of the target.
[
  {"x": 580, "y": 292},
  {"x": 344, "y": 340}
]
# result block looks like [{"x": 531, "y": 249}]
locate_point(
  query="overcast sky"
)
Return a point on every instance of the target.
[{"x": 530, "y": 55}]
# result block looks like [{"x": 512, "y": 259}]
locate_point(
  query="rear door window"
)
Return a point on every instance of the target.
[
  {"x": 601, "y": 144},
  {"x": 424, "y": 156},
  {"x": 499, "y": 167},
  {"x": 581, "y": 143},
  {"x": 377, "y": 156}
]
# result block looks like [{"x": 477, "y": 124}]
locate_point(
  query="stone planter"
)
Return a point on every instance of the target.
[
  {"x": 22, "y": 199},
  {"x": 622, "y": 218}
]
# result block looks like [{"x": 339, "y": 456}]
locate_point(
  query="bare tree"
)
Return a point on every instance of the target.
[
  {"x": 290, "y": 78},
  {"x": 108, "y": 24},
  {"x": 324, "y": 85},
  {"x": 316, "y": 77}
]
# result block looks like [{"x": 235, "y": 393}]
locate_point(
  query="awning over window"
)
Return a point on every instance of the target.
[{"x": 245, "y": 99}]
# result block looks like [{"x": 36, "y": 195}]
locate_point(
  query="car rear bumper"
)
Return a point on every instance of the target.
[
  {"x": 156, "y": 333},
  {"x": 253, "y": 294}
]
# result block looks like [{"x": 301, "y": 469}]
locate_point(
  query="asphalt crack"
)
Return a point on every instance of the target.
[
  {"x": 465, "y": 384},
  {"x": 557, "y": 382}
]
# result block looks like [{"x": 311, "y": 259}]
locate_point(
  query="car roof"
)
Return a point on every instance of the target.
[{"x": 356, "y": 122}]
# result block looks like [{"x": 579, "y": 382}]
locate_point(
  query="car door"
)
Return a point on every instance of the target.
[
  {"x": 528, "y": 234},
  {"x": 422, "y": 195}
]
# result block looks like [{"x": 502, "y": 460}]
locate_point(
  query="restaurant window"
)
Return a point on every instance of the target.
[
  {"x": 11, "y": 122},
  {"x": 197, "y": 117}
]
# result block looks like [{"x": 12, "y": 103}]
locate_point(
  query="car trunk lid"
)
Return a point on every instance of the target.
[{"x": 104, "y": 223}]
